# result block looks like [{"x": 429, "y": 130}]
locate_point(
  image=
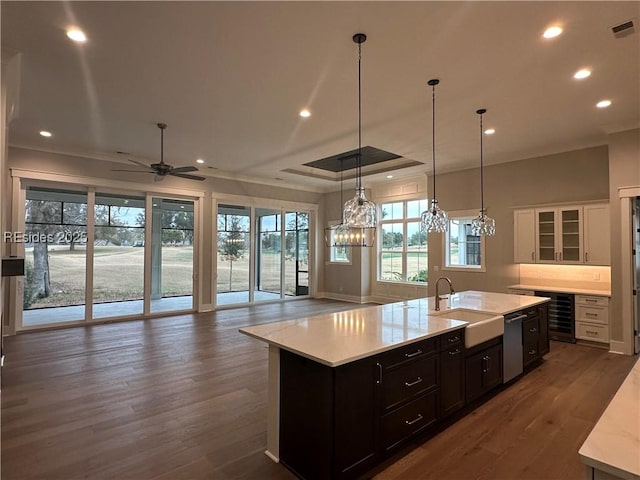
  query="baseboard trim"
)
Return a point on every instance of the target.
[
  {"x": 341, "y": 297},
  {"x": 619, "y": 348}
]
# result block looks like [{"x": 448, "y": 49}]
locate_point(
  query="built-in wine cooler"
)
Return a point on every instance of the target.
[{"x": 561, "y": 316}]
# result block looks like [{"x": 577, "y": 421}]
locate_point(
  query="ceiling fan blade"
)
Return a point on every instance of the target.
[
  {"x": 138, "y": 163},
  {"x": 186, "y": 175},
  {"x": 133, "y": 171},
  {"x": 185, "y": 169}
]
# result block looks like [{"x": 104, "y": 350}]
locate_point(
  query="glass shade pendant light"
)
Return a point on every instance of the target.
[
  {"x": 482, "y": 224},
  {"x": 359, "y": 215},
  {"x": 343, "y": 235},
  {"x": 434, "y": 219},
  {"x": 359, "y": 212}
]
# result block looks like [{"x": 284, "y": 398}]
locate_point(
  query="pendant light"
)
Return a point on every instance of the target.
[
  {"x": 359, "y": 212},
  {"x": 434, "y": 219},
  {"x": 359, "y": 215},
  {"x": 482, "y": 224}
]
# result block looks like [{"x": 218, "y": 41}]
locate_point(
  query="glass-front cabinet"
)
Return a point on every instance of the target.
[{"x": 559, "y": 238}]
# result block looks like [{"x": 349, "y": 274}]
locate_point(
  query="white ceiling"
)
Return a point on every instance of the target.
[{"x": 229, "y": 79}]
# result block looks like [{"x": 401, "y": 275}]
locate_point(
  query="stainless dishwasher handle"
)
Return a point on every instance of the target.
[{"x": 515, "y": 319}]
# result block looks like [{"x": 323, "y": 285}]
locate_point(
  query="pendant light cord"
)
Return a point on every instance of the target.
[
  {"x": 433, "y": 136},
  {"x": 481, "y": 171},
  {"x": 359, "y": 167}
]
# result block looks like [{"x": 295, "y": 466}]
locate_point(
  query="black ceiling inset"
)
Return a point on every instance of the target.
[{"x": 347, "y": 160}]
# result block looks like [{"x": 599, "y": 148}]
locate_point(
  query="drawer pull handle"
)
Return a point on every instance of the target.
[
  {"x": 379, "y": 381},
  {"x": 590, "y": 314},
  {"x": 454, "y": 352},
  {"x": 411, "y": 355},
  {"x": 533, "y": 330},
  {"x": 591, "y": 332},
  {"x": 591, "y": 300},
  {"x": 532, "y": 352},
  {"x": 411, "y": 384},
  {"x": 454, "y": 339},
  {"x": 417, "y": 419}
]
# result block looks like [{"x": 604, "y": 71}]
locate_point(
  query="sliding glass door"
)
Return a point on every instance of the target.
[
  {"x": 232, "y": 254},
  {"x": 55, "y": 253},
  {"x": 269, "y": 254},
  {"x": 171, "y": 255},
  {"x": 118, "y": 255}
]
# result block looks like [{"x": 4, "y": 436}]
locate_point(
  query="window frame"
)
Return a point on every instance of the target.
[
  {"x": 466, "y": 215},
  {"x": 404, "y": 221}
]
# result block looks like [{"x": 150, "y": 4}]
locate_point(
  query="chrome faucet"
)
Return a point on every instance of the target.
[{"x": 451, "y": 290}]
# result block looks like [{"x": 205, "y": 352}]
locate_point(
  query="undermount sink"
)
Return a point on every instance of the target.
[{"x": 482, "y": 326}]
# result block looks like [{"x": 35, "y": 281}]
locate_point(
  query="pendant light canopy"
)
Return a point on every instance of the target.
[
  {"x": 359, "y": 215},
  {"x": 434, "y": 219},
  {"x": 482, "y": 224}
]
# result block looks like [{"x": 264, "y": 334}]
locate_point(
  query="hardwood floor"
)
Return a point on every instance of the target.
[{"x": 185, "y": 398}]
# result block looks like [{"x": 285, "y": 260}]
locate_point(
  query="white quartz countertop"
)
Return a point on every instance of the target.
[
  {"x": 338, "y": 338},
  {"x": 613, "y": 445},
  {"x": 579, "y": 291}
]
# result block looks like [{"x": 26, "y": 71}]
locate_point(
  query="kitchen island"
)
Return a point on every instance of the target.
[{"x": 348, "y": 389}]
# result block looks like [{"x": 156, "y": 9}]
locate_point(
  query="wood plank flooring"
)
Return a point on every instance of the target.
[{"x": 185, "y": 398}]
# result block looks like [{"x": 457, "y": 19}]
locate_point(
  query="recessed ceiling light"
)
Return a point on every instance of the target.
[
  {"x": 44, "y": 133},
  {"x": 603, "y": 103},
  {"x": 305, "y": 113},
  {"x": 490, "y": 131},
  {"x": 389, "y": 176},
  {"x": 199, "y": 160},
  {"x": 76, "y": 35},
  {"x": 583, "y": 73},
  {"x": 552, "y": 31}
]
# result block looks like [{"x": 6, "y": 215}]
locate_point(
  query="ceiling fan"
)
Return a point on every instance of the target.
[{"x": 161, "y": 170}]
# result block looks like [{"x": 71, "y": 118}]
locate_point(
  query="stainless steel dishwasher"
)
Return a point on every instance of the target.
[{"x": 512, "y": 345}]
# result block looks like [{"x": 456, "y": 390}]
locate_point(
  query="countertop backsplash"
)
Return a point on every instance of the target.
[{"x": 575, "y": 276}]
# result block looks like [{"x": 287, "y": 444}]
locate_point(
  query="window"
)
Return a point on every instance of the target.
[
  {"x": 402, "y": 246},
  {"x": 339, "y": 254},
  {"x": 462, "y": 249}
]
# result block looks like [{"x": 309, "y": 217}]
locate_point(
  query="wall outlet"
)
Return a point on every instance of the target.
[{"x": 340, "y": 289}]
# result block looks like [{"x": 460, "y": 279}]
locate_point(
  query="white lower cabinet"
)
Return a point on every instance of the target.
[{"x": 592, "y": 318}]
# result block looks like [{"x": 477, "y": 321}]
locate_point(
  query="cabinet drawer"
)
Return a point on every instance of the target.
[
  {"x": 592, "y": 331},
  {"x": 592, "y": 300},
  {"x": 452, "y": 338},
  {"x": 530, "y": 328},
  {"x": 408, "y": 420},
  {"x": 530, "y": 351},
  {"x": 414, "y": 351},
  {"x": 592, "y": 314},
  {"x": 409, "y": 381}
]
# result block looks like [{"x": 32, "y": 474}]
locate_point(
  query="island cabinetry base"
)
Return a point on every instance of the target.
[
  {"x": 483, "y": 368},
  {"x": 328, "y": 417}
]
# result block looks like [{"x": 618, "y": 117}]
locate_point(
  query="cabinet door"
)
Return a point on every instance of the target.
[
  {"x": 597, "y": 249},
  {"x": 530, "y": 334},
  {"x": 483, "y": 371},
  {"x": 451, "y": 380},
  {"x": 546, "y": 231},
  {"x": 570, "y": 234},
  {"x": 524, "y": 236}
]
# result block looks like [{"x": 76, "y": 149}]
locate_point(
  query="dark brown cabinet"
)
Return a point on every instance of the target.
[
  {"x": 452, "y": 382},
  {"x": 483, "y": 366},
  {"x": 339, "y": 422},
  {"x": 535, "y": 335}
]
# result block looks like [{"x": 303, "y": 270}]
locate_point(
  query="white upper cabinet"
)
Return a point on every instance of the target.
[
  {"x": 597, "y": 248},
  {"x": 577, "y": 234}
]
